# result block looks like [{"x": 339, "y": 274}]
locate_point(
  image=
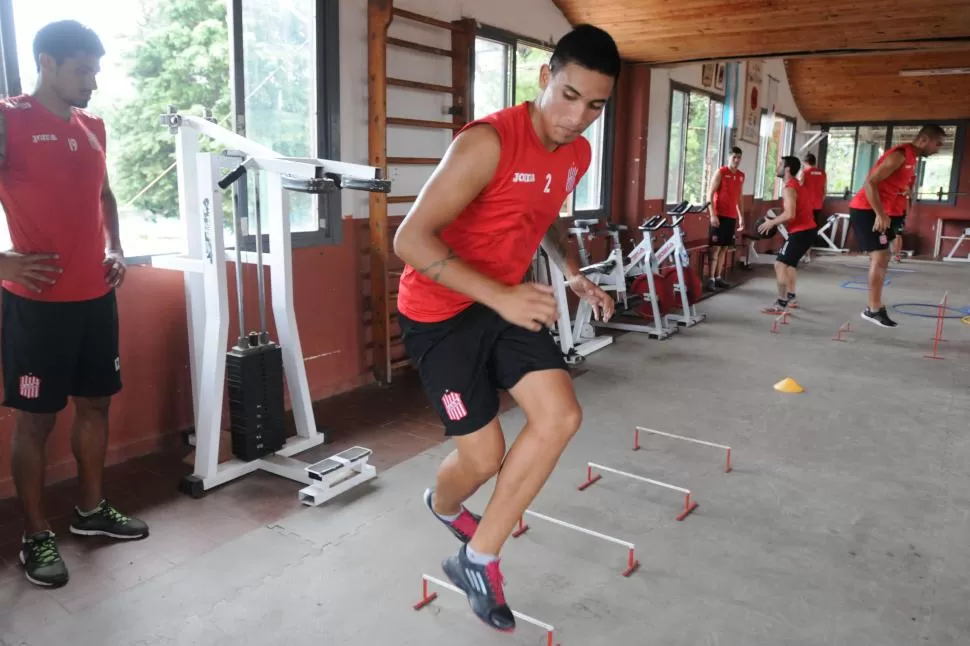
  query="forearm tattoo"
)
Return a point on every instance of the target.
[{"x": 434, "y": 269}]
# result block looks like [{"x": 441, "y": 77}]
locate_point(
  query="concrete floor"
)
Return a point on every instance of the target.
[{"x": 845, "y": 520}]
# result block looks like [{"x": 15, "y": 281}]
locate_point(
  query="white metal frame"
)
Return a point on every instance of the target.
[
  {"x": 963, "y": 237},
  {"x": 830, "y": 230},
  {"x": 206, "y": 291}
]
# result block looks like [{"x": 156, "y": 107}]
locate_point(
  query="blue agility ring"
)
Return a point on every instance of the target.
[
  {"x": 936, "y": 310},
  {"x": 862, "y": 282}
]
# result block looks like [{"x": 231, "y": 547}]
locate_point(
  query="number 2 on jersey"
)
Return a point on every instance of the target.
[{"x": 548, "y": 182}]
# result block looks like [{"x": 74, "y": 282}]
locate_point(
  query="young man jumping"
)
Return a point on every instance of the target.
[
  {"x": 800, "y": 215},
  {"x": 472, "y": 327},
  {"x": 727, "y": 217},
  {"x": 884, "y": 194}
]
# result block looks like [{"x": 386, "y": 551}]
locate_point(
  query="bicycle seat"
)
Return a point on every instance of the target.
[
  {"x": 586, "y": 223},
  {"x": 604, "y": 267},
  {"x": 615, "y": 227}
]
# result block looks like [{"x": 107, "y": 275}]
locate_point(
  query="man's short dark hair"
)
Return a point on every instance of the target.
[
  {"x": 589, "y": 47},
  {"x": 810, "y": 159},
  {"x": 64, "y": 39},
  {"x": 931, "y": 131},
  {"x": 792, "y": 164},
  {"x": 736, "y": 150}
]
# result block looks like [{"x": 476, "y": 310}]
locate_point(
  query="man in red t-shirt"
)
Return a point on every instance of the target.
[
  {"x": 883, "y": 195},
  {"x": 727, "y": 218},
  {"x": 799, "y": 215},
  {"x": 814, "y": 179},
  {"x": 470, "y": 324},
  {"x": 60, "y": 321}
]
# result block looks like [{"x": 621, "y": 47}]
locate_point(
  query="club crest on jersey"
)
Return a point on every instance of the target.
[
  {"x": 72, "y": 144},
  {"x": 571, "y": 178}
]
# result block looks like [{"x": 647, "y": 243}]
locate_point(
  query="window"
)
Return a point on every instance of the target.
[
  {"x": 777, "y": 141},
  {"x": 839, "y": 160},
  {"x": 850, "y": 152},
  {"x": 154, "y": 59},
  {"x": 507, "y": 73},
  {"x": 695, "y": 148}
]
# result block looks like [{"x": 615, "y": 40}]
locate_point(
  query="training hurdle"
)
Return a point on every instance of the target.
[
  {"x": 689, "y": 504},
  {"x": 843, "y": 329},
  {"x": 938, "y": 334},
  {"x": 641, "y": 429},
  {"x": 781, "y": 319},
  {"x": 428, "y": 598},
  {"x": 632, "y": 564}
]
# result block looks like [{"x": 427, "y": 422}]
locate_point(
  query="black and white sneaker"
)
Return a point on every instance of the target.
[
  {"x": 482, "y": 584},
  {"x": 879, "y": 317}
]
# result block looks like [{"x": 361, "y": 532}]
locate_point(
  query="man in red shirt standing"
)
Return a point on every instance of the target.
[
  {"x": 815, "y": 181},
  {"x": 472, "y": 327},
  {"x": 60, "y": 319},
  {"x": 798, "y": 201},
  {"x": 727, "y": 219},
  {"x": 884, "y": 194}
]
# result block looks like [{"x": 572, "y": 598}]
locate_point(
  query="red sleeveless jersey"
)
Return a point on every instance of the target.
[
  {"x": 890, "y": 189},
  {"x": 498, "y": 233},
  {"x": 804, "y": 215},
  {"x": 814, "y": 180},
  {"x": 50, "y": 188},
  {"x": 728, "y": 193}
]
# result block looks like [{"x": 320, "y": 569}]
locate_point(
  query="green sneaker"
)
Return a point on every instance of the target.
[
  {"x": 107, "y": 521},
  {"x": 42, "y": 562}
]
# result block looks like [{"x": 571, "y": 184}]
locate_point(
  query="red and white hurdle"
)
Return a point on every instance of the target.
[
  {"x": 632, "y": 564},
  {"x": 640, "y": 429},
  {"x": 427, "y": 598},
  {"x": 843, "y": 329},
  {"x": 689, "y": 504}
]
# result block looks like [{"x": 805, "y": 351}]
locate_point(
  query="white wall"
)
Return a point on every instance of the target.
[
  {"x": 537, "y": 19},
  {"x": 690, "y": 75}
]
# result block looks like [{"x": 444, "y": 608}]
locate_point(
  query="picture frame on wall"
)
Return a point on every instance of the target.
[
  {"x": 707, "y": 74},
  {"x": 720, "y": 69}
]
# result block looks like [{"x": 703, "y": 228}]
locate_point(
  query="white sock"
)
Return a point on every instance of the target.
[
  {"x": 479, "y": 559},
  {"x": 92, "y": 512},
  {"x": 448, "y": 519}
]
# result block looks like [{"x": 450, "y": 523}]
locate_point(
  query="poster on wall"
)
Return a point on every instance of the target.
[{"x": 751, "y": 108}]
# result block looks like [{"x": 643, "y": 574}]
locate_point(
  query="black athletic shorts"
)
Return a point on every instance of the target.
[
  {"x": 862, "y": 221},
  {"x": 795, "y": 247},
  {"x": 819, "y": 218},
  {"x": 52, "y": 351},
  {"x": 723, "y": 234},
  {"x": 898, "y": 224},
  {"x": 464, "y": 361}
]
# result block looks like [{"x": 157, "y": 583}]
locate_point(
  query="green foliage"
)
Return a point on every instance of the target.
[
  {"x": 178, "y": 55},
  {"x": 528, "y": 61}
]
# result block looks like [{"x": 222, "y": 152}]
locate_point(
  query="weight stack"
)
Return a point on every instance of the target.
[{"x": 255, "y": 382}]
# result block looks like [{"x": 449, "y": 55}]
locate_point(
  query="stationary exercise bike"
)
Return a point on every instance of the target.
[{"x": 644, "y": 267}]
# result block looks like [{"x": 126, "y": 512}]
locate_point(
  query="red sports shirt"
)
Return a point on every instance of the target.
[
  {"x": 893, "y": 203},
  {"x": 498, "y": 233},
  {"x": 50, "y": 188},
  {"x": 814, "y": 180},
  {"x": 728, "y": 193},
  {"x": 804, "y": 216}
]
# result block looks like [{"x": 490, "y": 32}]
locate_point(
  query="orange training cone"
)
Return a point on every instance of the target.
[{"x": 788, "y": 385}]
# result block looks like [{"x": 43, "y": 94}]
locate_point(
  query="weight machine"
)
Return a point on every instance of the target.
[{"x": 201, "y": 181}]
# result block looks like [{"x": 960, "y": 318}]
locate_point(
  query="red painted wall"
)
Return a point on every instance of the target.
[{"x": 156, "y": 402}]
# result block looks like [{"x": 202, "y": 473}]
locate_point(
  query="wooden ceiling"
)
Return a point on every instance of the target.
[
  {"x": 843, "y": 56},
  {"x": 681, "y": 31},
  {"x": 869, "y": 88}
]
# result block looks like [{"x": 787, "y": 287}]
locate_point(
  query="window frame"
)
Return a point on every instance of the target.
[
  {"x": 327, "y": 108},
  {"x": 511, "y": 39},
  {"x": 676, "y": 86},
  {"x": 959, "y": 142},
  {"x": 759, "y": 177}
]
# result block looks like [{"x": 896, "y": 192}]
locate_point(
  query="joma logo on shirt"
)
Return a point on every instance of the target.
[
  {"x": 528, "y": 178},
  {"x": 39, "y": 138}
]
